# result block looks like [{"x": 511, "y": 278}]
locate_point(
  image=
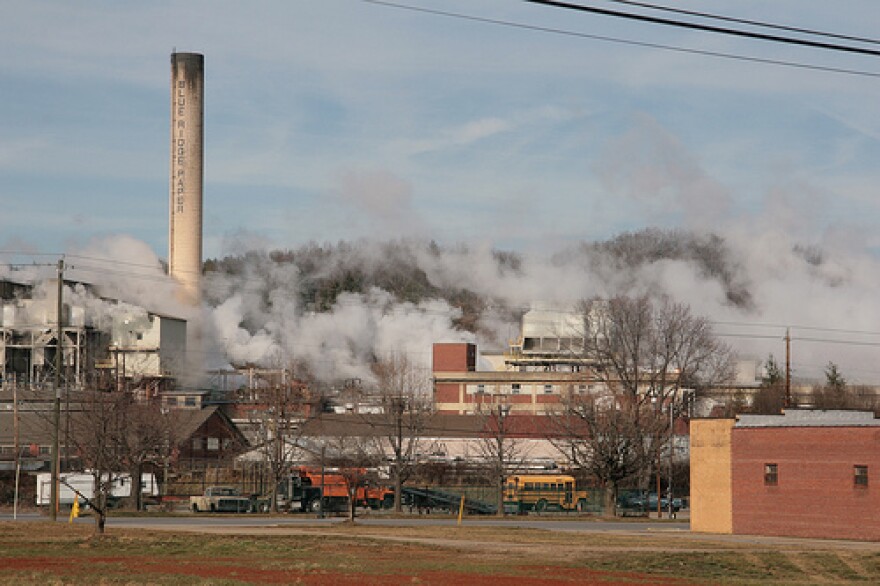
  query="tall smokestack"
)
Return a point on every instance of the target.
[{"x": 187, "y": 145}]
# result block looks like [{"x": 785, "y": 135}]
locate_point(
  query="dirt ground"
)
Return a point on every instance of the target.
[{"x": 40, "y": 553}]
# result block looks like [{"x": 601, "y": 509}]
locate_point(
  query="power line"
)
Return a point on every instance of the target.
[
  {"x": 833, "y": 341},
  {"x": 796, "y": 327},
  {"x": 757, "y": 23},
  {"x": 116, "y": 261},
  {"x": 22, "y": 265},
  {"x": 23, "y": 253},
  {"x": 607, "y": 39},
  {"x": 707, "y": 28}
]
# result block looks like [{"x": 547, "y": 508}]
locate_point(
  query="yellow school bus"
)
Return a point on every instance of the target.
[{"x": 543, "y": 492}]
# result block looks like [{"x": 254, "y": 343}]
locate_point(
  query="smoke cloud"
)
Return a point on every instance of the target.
[{"x": 330, "y": 311}]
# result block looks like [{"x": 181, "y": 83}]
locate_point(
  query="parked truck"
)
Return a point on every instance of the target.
[
  {"x": 307, "y": 489},
  {"x": 221, "y": 499},
  {"x": 81, "y": 486}
]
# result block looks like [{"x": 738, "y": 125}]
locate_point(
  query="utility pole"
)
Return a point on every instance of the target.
[
  {"x": 787, "y": 402},
  {"x": 16, "y": 445},
  {"x": 321, "y": 497},
  {"x": 56, "y": 464}
]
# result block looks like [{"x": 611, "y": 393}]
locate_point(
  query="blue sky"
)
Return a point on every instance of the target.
[
  {"x": 340, "y": 119},
  {"x": 331, "y": 120}
]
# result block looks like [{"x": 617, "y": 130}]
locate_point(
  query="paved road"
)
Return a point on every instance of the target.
[
  {"x": 260, "y": 524},
  {"x": 216, "y": 522}
]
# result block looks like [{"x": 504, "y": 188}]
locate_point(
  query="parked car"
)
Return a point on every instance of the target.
[
  {"x": 664, "y": 503},
  {"x": 221, "y": 499},
  {"x": 646, "y": 502}
]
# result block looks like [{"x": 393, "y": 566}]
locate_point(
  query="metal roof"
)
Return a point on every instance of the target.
[{"x": 810, "y": 418}]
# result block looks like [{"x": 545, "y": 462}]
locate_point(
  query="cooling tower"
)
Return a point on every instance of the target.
[{"x": 185, "y": 212}]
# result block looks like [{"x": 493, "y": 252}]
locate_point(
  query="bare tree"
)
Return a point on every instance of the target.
[
  {"x": 500, "y": 446},
  {"x": 278, "y": 420},
  {"x": 353, "y": 458},
  {"x": 399, "y": 429},
  {"x": 644, "y": 354},
  {"x": 650, "y": 350},
  {"x": 149, "y": 433},
  {"x": 612, "y": 437},
  {"x": 99, "y": 433}
]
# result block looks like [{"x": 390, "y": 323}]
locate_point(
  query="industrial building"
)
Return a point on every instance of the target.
[
  {"x": 29, "y": 336},
  {"x": 804, "y": 473},
  {"x": 459, "y": 388},
  {"x": 127, "y": 347},
  {"x": 531, "y": 377}
]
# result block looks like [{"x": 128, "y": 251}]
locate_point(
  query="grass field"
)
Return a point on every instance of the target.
[{"x": 42, "y": 553}]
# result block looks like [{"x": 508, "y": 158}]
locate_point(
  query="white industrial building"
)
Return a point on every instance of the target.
[{"x": 126, "y": 347}]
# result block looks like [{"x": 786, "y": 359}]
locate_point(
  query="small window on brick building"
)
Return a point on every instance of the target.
[
  {"x": 548, "y": 389},
  {"x": 771, "y": 474},
  {"x": 860, "y": 475},
  {"x": 481, "y": 389},
  {"x": 515, "y": 388}
]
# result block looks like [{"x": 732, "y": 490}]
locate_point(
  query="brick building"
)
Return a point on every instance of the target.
[
  {"x": 804, "y": 473},
  {"x": 527, "y": 384}
]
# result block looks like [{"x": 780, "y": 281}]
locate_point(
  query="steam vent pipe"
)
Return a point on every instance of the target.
[{"x": 187, "y": 146}]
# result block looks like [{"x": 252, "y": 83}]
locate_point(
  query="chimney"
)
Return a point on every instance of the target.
[{"x": 187, "y": 145}]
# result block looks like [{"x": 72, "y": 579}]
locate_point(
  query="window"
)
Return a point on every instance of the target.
[
  {"x": 548, "y": 389},
  {"x": 481, "y": 389},
  {"x": 213, "y": 443},
  {"x": 197, "y": 443},
  {"x": 171, "y": 401},
  {"x": 189, "y": 401},
  {"x": 582, "y": 389},
  {"x": 515, "y": 388},
  {"x": 771, "y": 474},
  {"x": 860, "y": 475}
]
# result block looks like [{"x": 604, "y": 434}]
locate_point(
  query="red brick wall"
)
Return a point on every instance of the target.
[
  {"x": 518, "y": 400},
  {"x": 446, "y": 393},
  {"x": 815, "y": 495},
  {"x": 552, "y": 399},
  {"x": 455, "y": 357}
]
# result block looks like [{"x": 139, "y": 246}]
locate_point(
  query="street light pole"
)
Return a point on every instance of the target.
[
  {"x": 503, "y": 411},
  {"x": 671, "y": 457},
  {"x": 56, "y": 423}
]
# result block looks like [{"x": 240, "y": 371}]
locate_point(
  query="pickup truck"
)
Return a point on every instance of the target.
[{"x": 221, "y": 499}]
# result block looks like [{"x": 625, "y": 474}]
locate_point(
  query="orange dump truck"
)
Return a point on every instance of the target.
[{"x": 305, "y": 489}]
